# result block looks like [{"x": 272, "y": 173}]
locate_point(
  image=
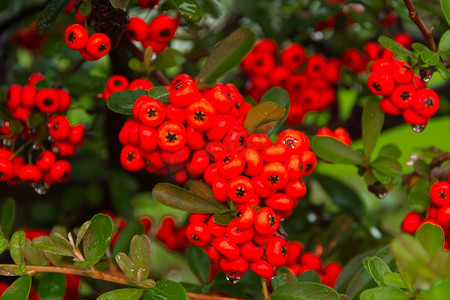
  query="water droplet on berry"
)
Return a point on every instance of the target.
[
  {"x": 418, "y": 128},
  {"x": 40, "y": 188},
  {"x": 382, "y": 195},
  {"x": 233, "y": 279}
]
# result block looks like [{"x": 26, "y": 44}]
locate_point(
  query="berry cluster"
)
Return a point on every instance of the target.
[
  {"x": 341, "y": 134},
  {"x": 62, "y": 138},
  {"x": 181, "y": 136},
  {"x": 309, "y": 79},
  {"x": 117, "y": 83},
  {"x": 91, "y": 47},
  {"x": 438, "y": 212},
  {"x": 403, "y": 92},
  {"x": 157, "y": 34}
]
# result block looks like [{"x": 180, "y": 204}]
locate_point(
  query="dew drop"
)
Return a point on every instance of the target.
[
  {"x": 418, "y": 128},
  {"x": 36, "y": 146},
  {"x": 233, "y": 279},
  {"x": 382, "y": 195},
  {"x": 40, "y": 188},
  {"x": 317, "y": 36}
]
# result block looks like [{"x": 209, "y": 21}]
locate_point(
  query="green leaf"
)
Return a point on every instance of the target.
[
  {"x": 431, "y": 237},
  {"x": 280, "y": 97},
  {"x": 372, "y": 122},
  {"x": 84, "y": 83},
  {"x": 122, "y": 294},
  {"x": 229, "y": 53},
  {"x": 18, "y": 290},
  {"x": 213, "y": 7},
  {"x": 377, "y": 268},
  {"x": 387, "y": 165},
  {"x": 201, "y": 189},
  {"x": 126, "y": 235},
  {"x": 419, "y": 195},
  {"x": 3, "y": 242},
  {"x": 167, "y": 290},
  {"x": 224, "y": 217},
  {"x": 419, "y": 47},
  {"x": 141, "y": 255},
  {"x": 394, "y": 280},
  {"x": 422, "y": 168},
  {"x": 159, "y": 93},
  {"x": 284, "y": 276},
  {"x": 17, "y": 249},
  {"x": 81, "y": 232},
  {"x": 444, "y": 44},
  {"x": 8, "y": 216},
  {"x": 384, "y": 293},
  {"x": 263, "y": 113},
  {"x": 438, "y": 291},
  {"x": 382, "y": 177},
  {"x": 304, "y": 291},
  {"x": 48, "y": 16},
  {"x": 445, "y": 5},
  {"x": 394, "y": 46},
  {"x": 34, "y": 256},
  {"x": 96, "y": 240},
  {"x": 53, "y": 244},
  {"x": 127, "y": 266},
  {"x": 308, "y": 276},
  {"x": 168, "y": 58},
  {"x": 332, "y": 150},
  {"x": 176, "y": 197},
  {"x": 52, "y": 286},
  {"x": 189, "y": 9},
  {"x": 199, "y": 262},
  {"x": 341, "y": 194},
  {"x": 122, "y": 102},
  {"x": 443, "y": 72},
  {"x": 430, "y": 57},
  {"x": 390, "y": 150},
  {"x": 119, "y": 3},
  {"x": 86, "y": 8}
]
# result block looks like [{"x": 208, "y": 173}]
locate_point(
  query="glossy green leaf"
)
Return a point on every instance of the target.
[
  {"x": 201, "y": 189},
  {"x": 377, "y": 268},
  {"x": 281, "y": 98},
  {"x": 263, "y": 113},
  {"x": 176, "y": 197},
  {"x": 119, "y": 3},
  {"x": 3, "y": 242},
  {"x": 96, "y": 240},
  {"x": 419, "y": 195},
  {"x": 53, "y": 244},
  {"x": 431, "y": 237},
  {"x": 308, "y": 276},
  {"x": 17, "y": 249},
  {"x": 419, "y": 47},
  {"x": 224, "y": 217},
  {"x": 159, "y": 93},
  {"x": 390, "y": 150},
  {"x": 332, "y": 150},
  {"x": 444, "y": 44},
  {"x": 134, "y": 227},
  {"x": 81, "y": 232},
  {"x": 384, "y": 293},
  {"x": 168, "y": 58},
  {"x": 228, "y": 54},
  {"x": 34, "y": 256},
  {"x": 304, "y": 291},
  {"x": 284, "y": 276},
  {"x": 442, "y": 69},
  {"x": 372, "y": 122},
  {"x": 122, "y": 294},
  {"x": 422, "y": 168},
  {"x": 199, "y": 262},
  {"x": 394, "y": 46},
  {"x": 394, "y": 280},
  {"x": 52, "y": 286},
  {"x": 167, "y": 290},
  {"x": 430, "y": 57},
  {"x": 440, "y": 290},
  {"x": 127, "y": 266},
  {"x": 387, "y": 165},
  {"x": 141, "y": 255},
  {"x": 445, "y": 5},
  {"x": 18, "y": 290},
  {"x": 8, "y": 216},
  {"x": 122, "y": 102},
  {"x": 85, "y": 8},
  {"x": 48, "y": 16},
  {"x": 190, "y": 9},
  {"x": 341, "y": 194}
]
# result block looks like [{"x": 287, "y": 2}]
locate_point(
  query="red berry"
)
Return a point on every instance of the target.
[
  {"x": 137, "y": 29},
  {"x": 76, "y": 37},
  {"x": 140, "y": 83},
  {"x": 403, "y": 95},
  {"x": 309, "y": 162},
  {"x": 426, "y": 102},
  {"x": 176, "y": 157},
  {"x": 295, "y": 140},
  {"x": 60, "y": 171},
  {"x": 30, "y": 174},
  {"x": 98, "y": 45},
  {"x": 162, "y": 28},
  {"x": 443, "y": 215},
  {"x": 280, "y": 202},
  {"x": 354, "y": 60},
  {"x": 266, "y": 221},
  {"x": 198, "y": 234},
  {"x": 6, "y": 169},
  {"x": 239, "y": 236},
  {"x": 230, "y": 165},
  {"x": 183, "y": 93},
  {"x": 263, "y": 268},
  {"x": 13, "y": 96},
  {"x": 59, "y": 128},
  {"x": 251, "y": 252},
  {"x": 176, "y": 113},
  {"x": 311, "y": 260},
  {"x": 294, "y": 250},
  {"x": 440, "y": 193},
  {"x": 261, "y": 189},
  {"x": 295, "y": 189},
  {"x": 253, "y": 162},
  {"x": 265, "y": 45},
  {"x": 226, "y": 247},
  {"x": 372, "y": 50},
  {"x": 275, "y": 153},
  {"x": 240, "y": 189},
  {"x": 131, "y": 159},
  {"x": 381, "y": 83},
  {"x": 316, "y": 66},
  {"x": 45, "y": 160},
  {"x": 117, "y": 83},
  {"x": 244, "y": 218},
  {"x": 148, "y": 3},
  {"x": 28, "y": 99},
  {"x": 47, "y": 100},
  {"x": 388, "y": 106},
  {"x": 198, "y": 163},
  {"x": 233, "y": 267},
  {"x": 216, "y": 229},
  {"x": 276, "y": 252},
  {"x": 171, "y": 136},
  {"x": 64, "y": 100},
  {"x": 412, "y": 117},
  {"x": 274, "y": 175},
  {"x": 401, "y": 72},
  {"x": 150, "y": 112},
  {"x": 201, "y": 114},
  {"x": 293, "y": 56}
]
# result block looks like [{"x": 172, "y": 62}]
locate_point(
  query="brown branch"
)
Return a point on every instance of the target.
[
  {"x": 427, "y": 33},
  {"x": 437, "y": 161},
  {"x": 264, "y": 289}
]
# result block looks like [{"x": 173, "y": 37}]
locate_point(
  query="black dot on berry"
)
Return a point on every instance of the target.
[
  {"x": 55, "y": 126},
  {"x": 226, "y": 159},
  {"x": 404, "y": 96},
  {"x": 274, "y": 179},
  {"x": 71, "y": 37},
  {"x": 240, "y": 192},
  {"x": 195, "y": 238},
  {"x": 152, "y": 113},
  {"x": 290, "y": 142},
  {"x": 429, "y": 102},
  {"x": 132, "y": 33},
  {"x": 131, "y": 157},
  {"x": 376, "y": 86},
  {"x": 118, "y": 82},
  {"x": 442, "y": 195},
  {"x": 309, "y": 166},
  {"x": 178, "y": 86},
  {"x": 48, "y": 102},
  {"x": 272, "y": 220},
  {"x": 239, "y": 214},
  {"x": 283, "y": 251},
  {"x": 171, "y": 137},
  {"x": 260, "y": 62},
  {"x": 296, "y": 58},
  {"x": 316, "y": 68},
  {"x": 102, "y": 48},
  {"x": 241, "y": 140},
  {"x": 199, "y": 116},
  {"x": 165, "y": 33},
  {"x": 65, "y": 175}
]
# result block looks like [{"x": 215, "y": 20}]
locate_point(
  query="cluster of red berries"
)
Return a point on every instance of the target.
[
  {"x": 157, "y": 34},
  {"x": 344, "y": 16},
  {"x": 403, "y": 92},
  {"x": 63, "y": 138},
  {"x": 117, "y": 83},
  {"x": 181, "y": 136},
  {"x": 340, "y": 133},
  {"x": 91, "y": 47},
  {"x": 310, "y": 85},
  {"x": 438, "y": 212}
]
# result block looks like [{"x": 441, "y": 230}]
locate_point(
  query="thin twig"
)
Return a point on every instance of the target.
[
  {"x": 264, "y": 290},
  {"x": 427, "y": 33}
]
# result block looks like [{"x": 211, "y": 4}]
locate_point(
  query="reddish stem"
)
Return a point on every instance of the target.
[{"x": 427, "y": 33}]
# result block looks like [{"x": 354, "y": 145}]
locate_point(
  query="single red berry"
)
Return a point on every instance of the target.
[
  {"x": 59, "y": 128},
  {"x": 226, "y": 247},
  {"x": 265, "y": 45},
  {"x": 117, "y": 83},
  {"x": 294, "y": 166},
  {"x": 309, "y": 162},
  {"x": 176, "y": 157},
  {"x": 98, "y": 45},
  {"x": 131, "y": 159},
  {"x": 76, "y": 136},
  {"x": 372, "y": 50},
  {"x": 294, "y": 250},
  {"x": 253, "y": 162},
  {"x": 295, "y": 140},
  {"x": 35, "y": 78},
  {"x": 403, "y": 96},
  {"x": 275, "y": 153},
  {"x": 266, "y": 221},
  {"x": 64, "y": 100},
  {"x": 30, "y": 174},
  {"x": 412, "y": 117},
  {"x": 276, "y": 252},
  {"x": 280, "y": 202},
  {"x": 69, "y": 7},
  {"x": 260, "y": 63},
  {"x": 125, "y": 130},
  {"x": 401, "y": 72},
  {"x": 279, "y": 76},
  {"x": 342, "y": 135},
  {"x": 389, "y": 107},
  {"x": 293, "y": 56},
  {"x": 85, "y": 55},
  {"x": 382, "y": 64},
  {"x": 233, "y": 267},
  {"x": 381, "y": 83},
  {"x": 239, "y": 236},
  {"x": 425, "y": 102},
  {"x": 195, "y": 138},
  {"x": 28, "y": 99},
  {"x": 240, "y": 189},
  {"x": 403, "y": 39},
  {"x": 443, "y": 215},
  {"x": 140, "y": 83},
  {"x": 157, "y": 47},
  {"x": 274, "y": 175},
  {"x": 263, "y": 239},
  {"x": 219, "y": 186},
  {"x": 47, "y": 100},
  {"x": 216, "y": 229},
  {"x": 251, "y": 252},
  {"x": 316, "y": 66},
  {"x": 261, "y": 189},
  {"x": 210, "y": 173},
  {"x": 137, "y": 29},
  {"x": 176, "y": 113},
  {"x": 198, "y": 163},
  {"x": 215, "y": 150},
  {"x": 201, "y": 114},
  {"x": 440, "y": 193},
  {"x": 198, "y": 234},
  {"x": 236, "y": 139},
  {"x": 13, "y": 96},
  {"x": 60, "y": 171},
  {"x": 262, "y": 268},
  {"x": 6, "y": 169},
  {"x": 151, "y": 112},
  {"x": 220, "y": 98},
  {"x": 171, "y": 136},
  {"x": 162, "y": 28},
  {"x": 354, "y": 60},
  {"x": 45, "y": 160},
  {"x": 76, "y": 37},
  {"x": 230, "y": 165},
  {"x": 295, "y": 189},
  {"x": 311, "y": 260},
  {"x": 183, "y": 93},
  {"x": 148, "y": 3},
  {"x": 244, "y": 218},
  {"x": 258, "y": 141}
]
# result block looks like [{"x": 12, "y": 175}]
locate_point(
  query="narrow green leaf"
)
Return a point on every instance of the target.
[
  {"x": 394, "y": 46},
  {"x": 224, "y": 217},
  {"x": 141, "y": 255},
  {"x": 119, "y": 3},
  {"x": 127, "y": 266},
  {"x": 304, "y": 291},
  {"x": 263, "y": 113},
  {"x": 176, "y": 197},
  {"x": 445, "y": 5},
  {"x": 201, "y": 189},
  {"x": 229, "y": 53},
  {"x": 443, "y": 72},
  {"x": 3, "y": 242},
  {"x": 372, "y": 122},
  {"x": 34, "y": 256},
  {"x": 122, "y": 294},
  {"x": 384, "y": 293},
  {"x": 431, "y": 237},
  {"x": 52, "y": 244},
  {"x": 419, "y": 195},
  {"x": 281, "y": 98},
  {"x": 394, "y": 280},
  {"x": 17, "y": 249},
  {"x": 159, "y": 93},
  {"x": 387, "y": 165},
  {"x": 167, "y": 290},
  {"x": 190, "y": 9},
  {"x": 122, "y": 102},
  {"x": 48, "y": 16},
  {"x": 199, "y": 262},
  {"x": 168, "y": 58},
  {"x": 284, "y": 276},
  {"x": 430, "y": 57},
  {"x": 332, "y": 150},
  {"x": 126, "y": 235},
  {"x": 8, "y": 216},
  {"x": 377, "y": 268},
  {"x": 52, "y": 286},
  {"x": 81, "y": 232},
  {"x": 18, "y": 290},
  {"x": 444, "y": 44}
]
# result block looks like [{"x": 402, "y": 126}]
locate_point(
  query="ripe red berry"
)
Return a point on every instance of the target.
[
  {"x": 274, "y": 175},
  {"x": 239, "y": 236},
  {"x": 261, "y": 189},
  {"x": 64, "y": 100},
  {"x": 293, "y": 56},
  {"x": 265, "y": 45},
  {"x": 425, "y": 102},
  {"x": 76, "y": 37},
  {"x": 412, "y": 117},
  {"x": 219, "y": 186},
  {"x": 6, "y": 169},
  {"x": 311, "y": 260},
  {"x": 266, "y": 221},
  {"x": 262, "y": 268},
  {"x": 171, "y": 136},
  {"x": 148, "y": 3},
  {"x": 382, "y": 64},
  {"x": 244, "y": 218},
  {"x": 198, "y": 234},
  {"x": 176, "y": 113},
  {"x": 251, "y": 252},
  {"x": 240, "y": 189},
  {"x": 388, "y": 106},
  {"x": 354, "y": 60},
  {"x": 45, "y": 160},
  {"x": 98, "y": 45},
  {"x": 76, "y": 136},
  {"x": 151, "y": 112},
  {"x": 276, "y": 252},
  {"x": 295, "y": 189},
  {"x": 226, "y": 247},
  {"x": 230, "y": 165},
  {"x": 294, "y": 250},
  {"x": 176, "y": 157},
  {"x": 59, "y": 128},
  {"x": 443, "y": 215},
  {"x": 47, "y": 100},
  {"x": 309, "y": 162},
  {"x": 411, "y": 222},
  {"x": 260, "y": 63},
  {"x": 201, "y": 114},
  {"x": 280, "y": 202},
  {"x": 28, "y": 99},
  {"x": 316, "y": 66},
  {"x": 117, "y": 83},
  {"x": 137, "y": 29},
  {"x": 30, "y": 174},
  {"x": 401, "y": 72},
  {"x": 140, "y": 83},
  {"x": 253, "y": 162},
  {"x": 295, "y": 140},
  {"x": 60, "y": 171},
  {"x": 372, "y": 50},
  {"x": 183, "y": 93},
  {"x": 131, "y": 159},
  {"x": 162, "y": 28},
  {"x": 198, "y": 163},
  {"x": 216, "y": 229},
  {"x": 440, "y": 193},
  {"x": 402, "y": 96},
  {"x": 275, "y": 153},
  {"x": 294, "y": 166},
  {"x": 13, "y": 96},
  {"x": 381, "y": 83},
  {"x": 233, "y": 267},
  {"x": 236, "y": 139}
]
